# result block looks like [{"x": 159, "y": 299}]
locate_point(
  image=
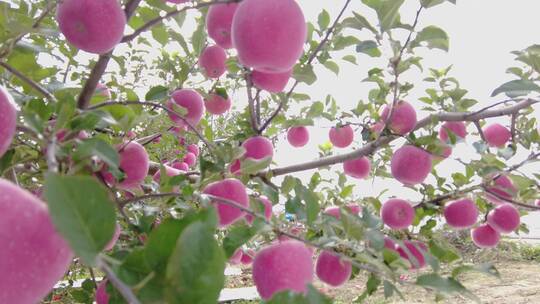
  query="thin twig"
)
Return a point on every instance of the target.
[
  {"x": 513, "y": 127},
  {"x": 251, "y": 104},
  {"x": 124, "y": 289},
  {"x": 153, "y": 22},
  {"x": 310, "y": 60},
  {"x": 29, "y": 81},
  {"x": 157, "y": 105},
  {"x": 509, "y": 200},
  {"x": 481, "y": 132}
]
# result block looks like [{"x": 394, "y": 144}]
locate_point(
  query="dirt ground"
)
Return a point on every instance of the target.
[{"x": 519, "y": 283}]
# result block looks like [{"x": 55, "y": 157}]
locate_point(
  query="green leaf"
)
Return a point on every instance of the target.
[
  {"x": 82, "y": 212},
  {"x": 251, "y": 166},
  {"x": 289, "y": 297},
  {"x": 304, "y": 74},
  {"x": 157, "y": 93},
  {"x": 198, "y": 40},
  {"x": 432, "y": 3},
  {"x": 433, "y": 37},
  {"x": 100, "y": 148},
  {"x": 444, "y": 285},
  {"x": 387, "y": 11},
  {"x": 323, "y": 20},
  {"x": 485, "y": 268},
  {"x": 160, "y": 34},
  {"x": 358, "y": 22},
  {"x": 238, "y": 235},
  {"x": 368, "y": 47},
  {"x": 195, "y": 273},
  {"x": 332, "y": 66},
  {"x": 350, "y": 58},
  {"x": 516, "y": 88}
]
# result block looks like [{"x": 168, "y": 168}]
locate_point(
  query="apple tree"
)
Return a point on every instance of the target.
[{"x": 138, "y": 141}]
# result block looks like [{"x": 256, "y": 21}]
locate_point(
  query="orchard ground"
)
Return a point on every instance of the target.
[{"x": 518, "y": 264}]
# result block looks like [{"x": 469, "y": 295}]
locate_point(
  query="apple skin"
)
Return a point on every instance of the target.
[
  {"x": 417, "y": 250},
  {"x": 332, "y": 270},
  {"x": 484, "y": 236},
  {"x": 335, "y": 212},
  {"x": 8, "y": 120},
  {"x": 461, "y": 214},
  {"x": 271, "y": 82},
  {"x": 231, "y": 189},
  {"x": 256, "y": 148},
  {"x": 403, "y": 117},
  {"x": 457, "y": 127},
  {"x": 101, "y": 293},
  {"x": 298, "y": 136},
  {"x": 410, "y": 165},
  {"x": 219, "y": 22},
  {"x": 341, "y": 137},
  {"x": 286, "y": 265},
  {"x": 212, "y": 61},
  {"x": 34, "y": 256},
  {"x": 358, "y": 168},
  {"x": 496, "y": 135},
  {"x": 504, "y": 218},
  {"x": 397, "y": 213},
  {"x": 503, "y": 187},
  {"x": 134, "y": 162},
  {"x": 216, "y": 104},
  {"x": 267, "y": 210},
  {"x": 94, "y": 26},
  {"x": 193, "y": 148},
  {"x": 269, "y": 36},
  {"x": 192, "y": 101}
]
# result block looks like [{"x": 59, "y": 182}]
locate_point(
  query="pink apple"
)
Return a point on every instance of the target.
[
  {"x": 231, "y": 189},
  {"x": 458, "y": 128},
  {"x": 403, "y": 118},
  {"x": 101, "y": 293},
  {"x": 283, "y": 266},
  {"x": 397, "y": 213},
  {"x": 94, "y": 26},
  {"x": 271, "y": 82},
  {"x": 236, "y": 258},
  {"x": 116, "y": 236},
  {"x": 298, "y": 136},
  {"x": 180, "y": 166},
  {"x": 416, "y": 256},
  {"x": 134, "y": 162},
  {"x": 390, "y": 244},
  {"x": 504, "y": 218},
  {"x": 461, "y": 214},
  {"x": 33, "y": 255},
  {"x": 212, "y": 61},
  {"x": 257, "y": 148},
  {"x": 269, "y": 35},
  {"x": 503, "y": 188},
  {"x": 341, "y": 137},
  {"x": 358, "y": 168},
  {"x": 247, "y": 257},
  {"x": 496, "y": 135},
  {"x": 216, "y": 104},
  {"x": 193, "y": 148},
  {"x": 169, "y": 171},
  {"x": 218, "y": 23},
  {"x": 410, "y": 165},
  {"x": 332, "y": 270},
  {"x": 190, "y": 159},
  {"x": 8, "y": 120},
  {"x": 335, "y": 212},
  {"x": 191, "y": 101},
  {"x": 484, "y": 236},
  {"x": 267, "y": 209}
]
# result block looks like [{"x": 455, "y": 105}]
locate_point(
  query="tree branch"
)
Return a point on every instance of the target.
[
  {"x": 28, "y": 81},
  {"x": 310, "y": 60},
  {"x": 251, "y": 104},
  {"x": 383, "y": 140},
  {"x": 124, "y": 289},
  {"x": 101, "y": 65},
  {"x": 153, "y": 22},
  {"x": 157, "y": 105}
]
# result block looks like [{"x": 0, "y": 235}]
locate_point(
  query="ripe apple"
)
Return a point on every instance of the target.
[
  {"x": 410, "y": 165},
  {"x": 341, "y": 137},
  {"x": 191, "y": 101},
  {"x": 269, "y": 35},
  {"x": 212, "y": 61},
  {"x": 216, "y": 104},
  {"x": 134, "y": 162},
  {"x": 219, "y": 21},
  {"x": 94, "y": 26},
  {"x": 416, "y": 256},
  {"x": 504, "y": 218},
  {"x": 332, "y": 270},
  {"x": 257, "y": 148},
  {"x": 403, "y": 118},
  {"x": 461, "y": 214},
  {"x": 458, "y": 128},
  {"x": 484, "y": 236},
  {"x": 496, "y": 135},
  {"x": 8, "y": 120},
  {"x": 231, "y": 189},
  {"x": 334, "y": 211},
  {"x": 33, "y": 255},
  {"x": 503, "y": 187},
  {"x": 298, "y": 136},
  {"x": 283, "y": 266},
  {"x": 397, "y": 213},
  {"x": 101, "y": 293},
  {"x": 271, "y": 82},
  {"x": 358, "y": 168},
  {"x": 267, "y": 209}
]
